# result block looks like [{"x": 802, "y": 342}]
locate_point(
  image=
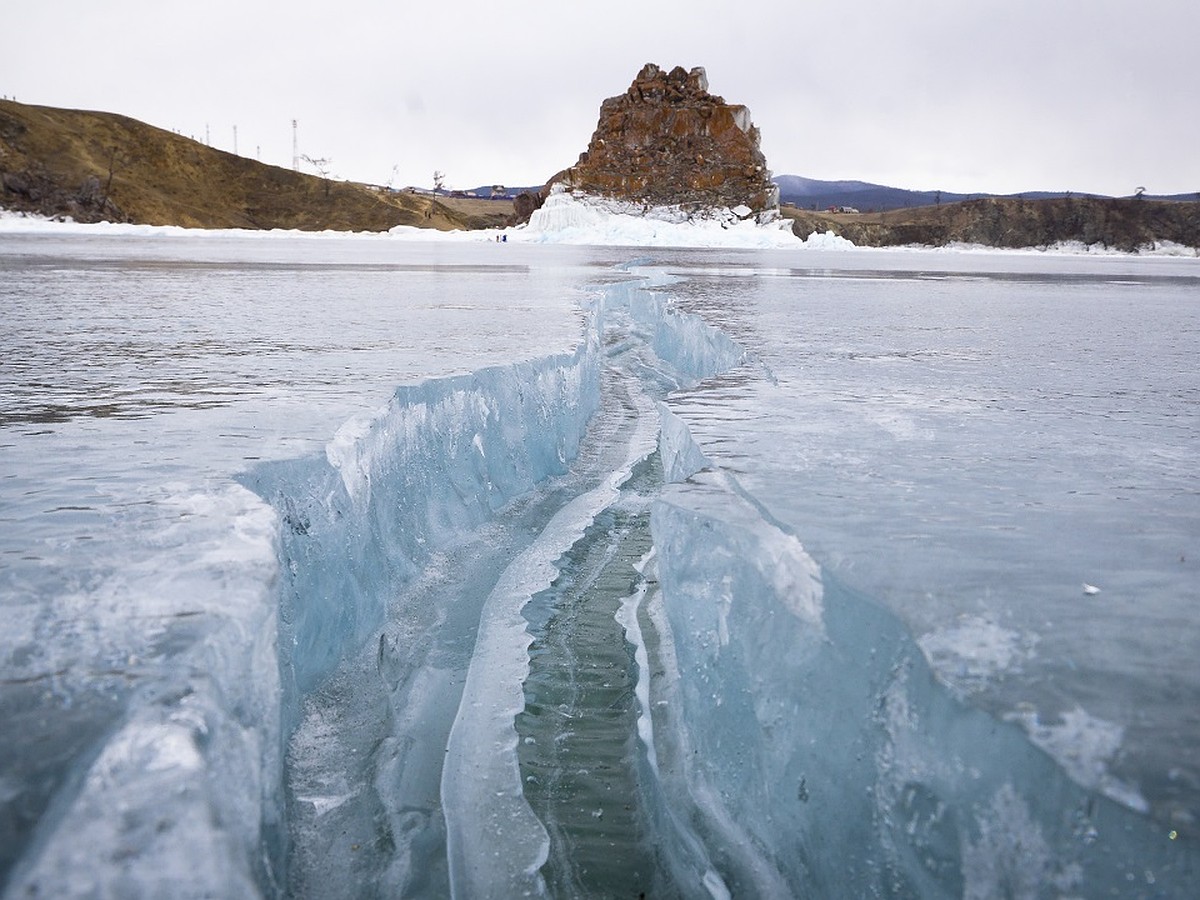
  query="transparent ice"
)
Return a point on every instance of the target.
[{"x": 352, "y": 566}]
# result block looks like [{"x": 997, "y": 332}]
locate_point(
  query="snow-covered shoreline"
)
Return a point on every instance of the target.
[{"x": 566, "y": 219}]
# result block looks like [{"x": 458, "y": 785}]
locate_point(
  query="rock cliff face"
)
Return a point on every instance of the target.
[
  {"x": 668, "y": 141},
  {"x": 1128, "y": 225}
]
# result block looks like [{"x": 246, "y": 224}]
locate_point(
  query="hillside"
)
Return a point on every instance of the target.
[
  {"x": 95, "y": 166},
  {"x": 1121, "y": 224},
  {"x": 816, "y": 195}
]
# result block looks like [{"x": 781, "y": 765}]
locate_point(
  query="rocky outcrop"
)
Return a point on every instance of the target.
[
  {"x": 35, "y": 190},
  {"x": 1118, "y": 224},
  {"x": 668, "y": 141}
]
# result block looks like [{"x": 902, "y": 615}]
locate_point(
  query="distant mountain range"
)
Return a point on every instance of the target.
[
  {"x": 809, "y": 193},
  {"x": 814, "y": 194}
]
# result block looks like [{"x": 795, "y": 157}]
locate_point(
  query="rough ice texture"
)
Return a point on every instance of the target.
[
  {"x": 184, "y": 799},
  {"x": 495, "y": 844},
  {"x": 808, "y": 744},
  {"x": 800, "y": 730},
  {"x": 973, "y": 650},
  {"x": 443, "y": 457}
]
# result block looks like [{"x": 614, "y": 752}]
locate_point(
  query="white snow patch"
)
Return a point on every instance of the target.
[
  {"x": 343, "y": 451},
  {"x": 972, "y": 651},
  {"x": 1083, "y": 745},
  {"x": 1059, "y": 248},
  {"x": 827, "y": 241}
]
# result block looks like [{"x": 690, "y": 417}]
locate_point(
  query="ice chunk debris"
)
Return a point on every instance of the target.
[{"x": 577, "y": 218}]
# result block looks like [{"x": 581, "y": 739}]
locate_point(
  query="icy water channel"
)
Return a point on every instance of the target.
[{"x": 349, "y": 567}]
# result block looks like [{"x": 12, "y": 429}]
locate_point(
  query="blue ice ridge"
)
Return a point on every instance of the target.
[
  {"x": 799, "y": 729},
  {"x": 441, "y": 458}
]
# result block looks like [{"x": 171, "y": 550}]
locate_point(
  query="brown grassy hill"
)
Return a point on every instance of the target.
[
  {"x": 1126, "y": 224},
  {"x": 95, "y": 166}
]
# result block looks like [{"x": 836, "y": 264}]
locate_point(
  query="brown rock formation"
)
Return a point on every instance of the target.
[
  {"x": 668, "y": 141},
  {"x": 1126, "y": 224}
]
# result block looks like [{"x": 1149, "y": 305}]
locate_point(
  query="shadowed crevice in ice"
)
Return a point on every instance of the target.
[
  {"x": 440, "y": 460},
  {"x": 578, "y": 730},
  {"x": 395, "y": 546}
]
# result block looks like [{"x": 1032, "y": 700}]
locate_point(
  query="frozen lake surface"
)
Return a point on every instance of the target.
[
  {"x": 974, "y": 439},
  {"x": 317, "y": 552}
]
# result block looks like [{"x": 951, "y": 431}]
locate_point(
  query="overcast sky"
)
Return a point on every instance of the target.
[{"x": 959, "y": 95}]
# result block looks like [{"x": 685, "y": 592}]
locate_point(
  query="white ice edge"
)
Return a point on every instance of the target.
[
  {"x": 697, "y": 790},
  {"x": 157, "y": 784},
  {"x": 627, "y": 618},
  {"x": 482, "y": 795},
  {"x": 1085, "y": 746}
]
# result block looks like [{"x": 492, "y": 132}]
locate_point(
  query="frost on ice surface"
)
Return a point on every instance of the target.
[
  {"x": 1084, "y": 745},
  {"x": 973, "y": 650},
  {"x": 1011, "y": 857}
]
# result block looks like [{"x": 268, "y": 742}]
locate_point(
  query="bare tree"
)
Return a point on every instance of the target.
[
  {"x": 324, "y": 167},
  {"x": 116, "y": 162},
  {"x": 439, "y": 180}
]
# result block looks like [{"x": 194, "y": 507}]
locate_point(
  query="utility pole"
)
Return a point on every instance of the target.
[
  {"x": 207, "y": 142},
  {"x": 295, "y": 149},
  {"x": 235, "y": 153}
]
